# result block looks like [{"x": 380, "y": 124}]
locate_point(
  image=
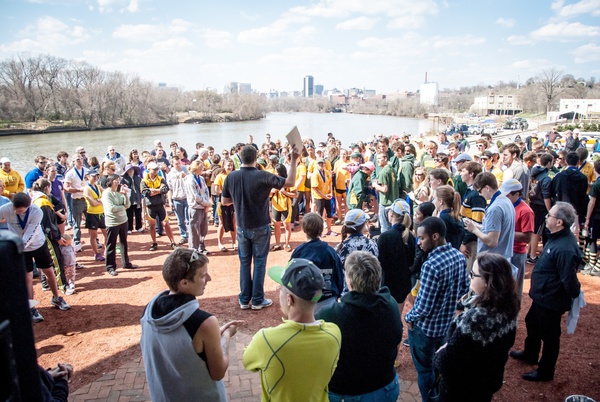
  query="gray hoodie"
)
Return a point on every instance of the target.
[{"x": 174, "y": 370}]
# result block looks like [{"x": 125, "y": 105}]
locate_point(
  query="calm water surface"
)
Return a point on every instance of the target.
[{"x": 22, "y": 149}]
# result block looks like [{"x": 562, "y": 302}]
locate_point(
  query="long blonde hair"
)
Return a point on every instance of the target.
[{"x": 450, "y": 198}]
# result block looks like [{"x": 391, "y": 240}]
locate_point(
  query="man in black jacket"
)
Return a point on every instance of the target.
[{"x": 553, "y": 284}]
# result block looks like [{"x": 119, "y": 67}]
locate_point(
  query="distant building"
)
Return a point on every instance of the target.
[
  {"x": 308, "y": 86},
  {"x": 238, "y": 88},
  {"x": 162, "y": 84},
  {"x": 501, "y": 104},
  {"x": 429, "y": 94},
  {"x": 579, "y": 108},
  {"x": 318, "y": 89}
]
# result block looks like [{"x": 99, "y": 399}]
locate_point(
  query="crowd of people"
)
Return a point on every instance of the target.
[{"x": 442, "y": 224}]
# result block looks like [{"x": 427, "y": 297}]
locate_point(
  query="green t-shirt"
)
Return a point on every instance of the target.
[
  {"x": 387, "y": 176},
  {"x": 296, "y": 361},
  {"x": 595, "y": 192}
]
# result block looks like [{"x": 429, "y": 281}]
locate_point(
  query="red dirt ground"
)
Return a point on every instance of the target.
[{"x": 101, "y": 332}]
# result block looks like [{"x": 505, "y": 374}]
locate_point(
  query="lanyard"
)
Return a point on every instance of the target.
[
  {"x": 94, "y": 189},
  {"x": 197, "y": 178},
  {"x": 322, "y": 173},
  {"x": 23, "y": 222},
  {"x": 582, "y": 165},
  {"x": 80, "y": 175}
]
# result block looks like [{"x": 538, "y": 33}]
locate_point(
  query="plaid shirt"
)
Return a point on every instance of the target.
[{"x": 444, "y": 280}]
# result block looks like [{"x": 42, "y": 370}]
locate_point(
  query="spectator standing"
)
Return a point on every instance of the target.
[
  {"x": 371, "y": 329},
  {"x": 387, "y": 187},
  {"x": 554, "y": 284},
  {"x": 540, "y": 200},
  {"x": 447, "y": 204},
  {"x": 131, "y": 178},
  {"x": 75, "y": 182},
  {"x": 198, "y": 200},
  {"x": 471, "y": 362},
  {"x": 443, "y": 281},
  {"x": 524, "y": 224},
  {"x": 37, "y": 172},
  {"x": 248, "y": 190},
  {"x": 496, "y": 233},
  {"x": 296, "y": 359},
  {"x": 176, "y": 182},
  {"x": 353, "y": 235},
  {"x": 592, "y": 225},
  {"x": 515, "y": 169},
  {"x": 116, "y": 201},
  {"x": 13, "y": 182},
  {"x": 94, "y": 216},
  {"x": 113, "y": 156},
  {"x": 321, "y": 190},
  {"x": 358, "y": 193},
  {"x": 154, "y": 189},
  {"x": 473, "y": 208}
]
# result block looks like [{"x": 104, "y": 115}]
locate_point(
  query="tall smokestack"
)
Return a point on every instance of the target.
[{"x": 425, "y": 77}]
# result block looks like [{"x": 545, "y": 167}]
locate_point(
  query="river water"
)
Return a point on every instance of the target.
[{"x": 22, "y": 149}]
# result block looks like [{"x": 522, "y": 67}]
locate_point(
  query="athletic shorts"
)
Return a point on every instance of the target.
[
  {"x": 157, "y": 212},
  {"x": 94, "y": 221},
  {"x": 42, "y": 258},
  {"x": 227, "y": 214},
  {"x": 340, "y": 191},
  {"x": 281, "y": 216},
  {"x": 323, "y": 205},
  {"x": 594, "y": 229}
]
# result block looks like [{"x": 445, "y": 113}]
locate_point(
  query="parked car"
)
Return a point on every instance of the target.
[
  {"x": 475, "y": 129},
  {"x": 490, "y": 129}
]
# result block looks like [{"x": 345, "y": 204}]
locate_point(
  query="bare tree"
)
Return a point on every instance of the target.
[{"x": 549, "y": 81}]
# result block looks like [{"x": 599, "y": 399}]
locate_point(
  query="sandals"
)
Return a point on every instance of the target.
[
  {"x": 276, "y": 247},
  {"x": 223, "y": 248},
  {"x": 288, "y": 248}
]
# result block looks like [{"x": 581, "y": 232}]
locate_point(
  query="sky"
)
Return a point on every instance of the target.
[{"x": 382, "y": 45}]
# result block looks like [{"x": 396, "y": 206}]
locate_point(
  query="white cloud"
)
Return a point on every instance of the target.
[
  {"x": 587, "y": 53},
  {"x": 563, "y": 31},
  {"x": 151, "y": 32},
  {"x": 280, "y": 31},
  {"x": 457, "y": 42},
  {"x": 47, "y": 35},
  {"x": 506, "y": 22},
  {"x": 362, "y": 23},
  {"x": 215, "y": 38},
  {"x": 106, "y": 6},
  {"x": 133, "y": 6},
  {"x": 591, "y": 7},
  {"x": 520, "y": 40}
]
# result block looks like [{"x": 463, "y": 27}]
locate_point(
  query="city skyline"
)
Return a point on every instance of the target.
[{"x": 387, "y": 45}]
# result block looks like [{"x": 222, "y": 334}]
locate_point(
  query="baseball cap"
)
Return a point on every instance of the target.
[
  {"x": 274, "y": 157},
  {"x": 463, "y": 157},
  {"x": 487, "y": 153},
  {"x": 91, "y": 172},
  {"x": 399, "y": 207},
  {"x": 5, "y": 160},
  {"x": 355, "y": 155},
  {"x": 494, "y": 150},
  {"x": 152, "y": 165},
  {"x": 369, "y": 165},
  {"x": 511, "y": 185},
  {"x": 355, "y": 218},
  {"x": 321, "y": 160},
  {"x": 301, "y": 277}
]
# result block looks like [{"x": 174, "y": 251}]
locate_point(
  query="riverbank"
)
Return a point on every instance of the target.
[{"x": 68, "y": 129}]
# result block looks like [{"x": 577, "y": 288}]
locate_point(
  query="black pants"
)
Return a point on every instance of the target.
[
  {"x": 543, "y": 325},
  {"x": 296, "y": 206},
  {"x": 134, "y": 212},
  {"x": 111, "y": 243}
]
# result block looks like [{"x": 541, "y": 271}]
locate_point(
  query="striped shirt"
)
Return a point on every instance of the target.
[{"x": 444, "y": 280}]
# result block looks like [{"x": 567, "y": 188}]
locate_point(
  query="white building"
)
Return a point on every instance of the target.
[
  {"x": 587, "y": 108},
  {"x": 501, "y": 104},
  {"x": 429, "y": 92}
]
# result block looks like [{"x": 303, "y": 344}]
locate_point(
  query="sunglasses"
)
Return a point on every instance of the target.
[
  {"x": 195, "y": 256},
  {"x": 484, "y": 159}
]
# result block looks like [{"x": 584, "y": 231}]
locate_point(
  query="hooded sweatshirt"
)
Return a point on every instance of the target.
[
  {"x": 174, "y": 370},
  {"x": 31, "y": 232},
  {"x": 49, "y": 224},
  {"x": 371, "y": 331},
  {"x": 570, "y": 185},
  {"x": 540, "y": 186}
]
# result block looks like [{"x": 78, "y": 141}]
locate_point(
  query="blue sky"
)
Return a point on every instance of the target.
[{"x": 386, "y": 45}]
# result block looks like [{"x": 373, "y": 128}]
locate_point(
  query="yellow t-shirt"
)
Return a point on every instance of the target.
[
  {"x": 320, "y": 182},
  {"x": 301, "y": 171},
  {"x": 96, "y": 193}
]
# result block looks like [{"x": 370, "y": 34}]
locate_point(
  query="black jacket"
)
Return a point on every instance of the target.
[
  {"x": 540, "y": 187},
  {"x": 570, "y": 185},
  {"x": 554, "y": 278}
]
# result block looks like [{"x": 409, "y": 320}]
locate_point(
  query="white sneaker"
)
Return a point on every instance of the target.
[
  {"x": 70, "y": 290},
  {"x": 78, "y": 247}
]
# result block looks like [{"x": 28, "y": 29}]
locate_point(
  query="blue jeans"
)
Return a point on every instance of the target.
[
  {"x": 253, "y": 243},
  {"x": 422, "y": 350},
  {"x": 215, "y": 200},
  {"x": 384, "y": 224},
  {"x": 181, "y": 211},
  {"x": 389, "y": 393}
]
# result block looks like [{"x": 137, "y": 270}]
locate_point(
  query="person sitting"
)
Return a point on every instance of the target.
[
  {"x": 185, "y": 351},
  {"x": 471, "y": 362},
  {"x": 371, "y": 329}
]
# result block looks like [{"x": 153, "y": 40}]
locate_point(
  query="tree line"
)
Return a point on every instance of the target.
[{"x": 74, "y": 93}]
